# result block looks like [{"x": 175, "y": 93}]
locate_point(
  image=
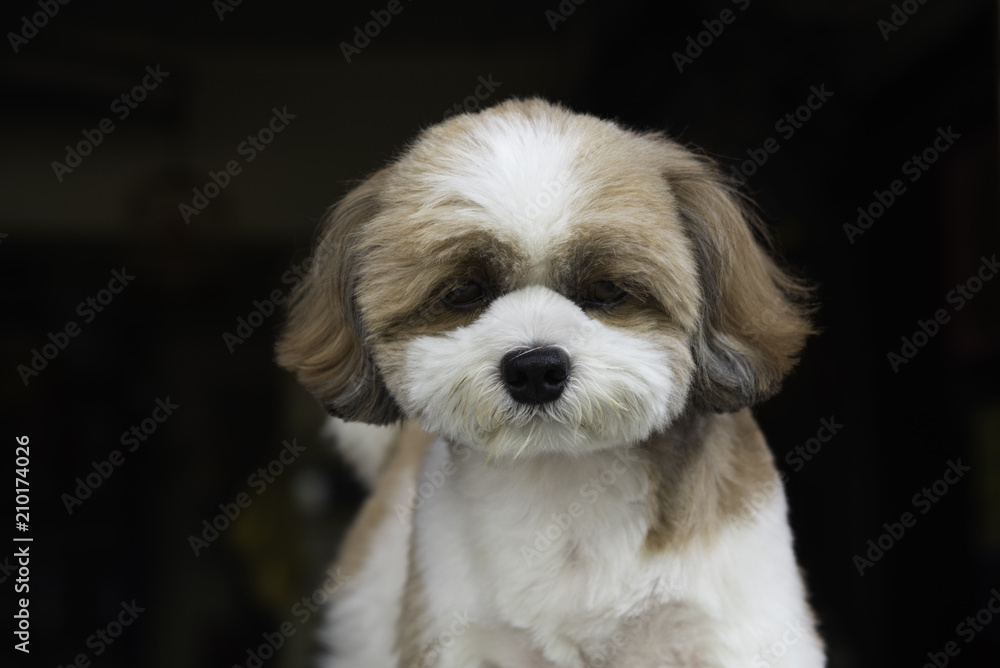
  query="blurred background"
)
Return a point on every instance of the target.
[{"x": 138, "y": 279}]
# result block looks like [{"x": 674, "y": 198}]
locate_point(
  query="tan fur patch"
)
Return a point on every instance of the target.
[
  {"x": 401, "y": 284},
  {"x": 413, "y": 621},
  {"x": 703, "y": 471},
  {"x": 755, "y": 319},
  {"x": 658, "y": 273}
]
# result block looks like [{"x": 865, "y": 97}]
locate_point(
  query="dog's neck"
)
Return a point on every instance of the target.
[{"x": 687, "y": 481}]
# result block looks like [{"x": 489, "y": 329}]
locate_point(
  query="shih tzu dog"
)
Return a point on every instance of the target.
[{"x": 560, "y": 325}]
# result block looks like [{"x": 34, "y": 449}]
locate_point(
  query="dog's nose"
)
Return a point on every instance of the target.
[{"x": 535, "y": 376}]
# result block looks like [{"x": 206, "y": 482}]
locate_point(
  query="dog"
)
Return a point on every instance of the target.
[{"x": 553, "y": 328}]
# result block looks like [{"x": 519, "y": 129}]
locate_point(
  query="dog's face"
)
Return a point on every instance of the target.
[{"x": 529, "y": 280}]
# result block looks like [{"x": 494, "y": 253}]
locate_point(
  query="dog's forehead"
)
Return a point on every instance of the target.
[
  {"x": 535, "y": 181},
  {"x": 521, "y": 176}
]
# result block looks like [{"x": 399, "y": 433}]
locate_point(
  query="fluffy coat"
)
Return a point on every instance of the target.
[{"x": 609, "y": 526}]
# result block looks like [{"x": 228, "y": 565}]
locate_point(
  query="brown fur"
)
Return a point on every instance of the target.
[
  {"x": 702, "y": 471},
  {"x": 401, "y": 284},
  {"x": 413, "y": 620},
  {"x": 322, "y": 342},
  {"x": 754, "y": 319}
]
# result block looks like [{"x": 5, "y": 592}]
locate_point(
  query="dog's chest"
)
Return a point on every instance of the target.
[{"x": 557, "y": 537}]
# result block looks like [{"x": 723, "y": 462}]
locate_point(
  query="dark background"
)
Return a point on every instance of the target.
[{"x": 162, "y": 336}]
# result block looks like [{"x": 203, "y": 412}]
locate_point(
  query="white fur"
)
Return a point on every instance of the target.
[
  {"x": 521, "y": 174},
  {"x": 365, "y": 447},
  {"x": 477, "y": 543},
  {"x": 546, "y": 553},
  {"x": 620, "y": 388},
  {"x": 361, "y": 621}
]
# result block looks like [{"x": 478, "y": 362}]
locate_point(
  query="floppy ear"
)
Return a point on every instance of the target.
[
  {"x": 322, "y": 342},
  {"x": 754, "y": 320}
]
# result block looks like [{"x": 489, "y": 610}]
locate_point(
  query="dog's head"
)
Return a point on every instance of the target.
[{"x": 530, "y": 279}]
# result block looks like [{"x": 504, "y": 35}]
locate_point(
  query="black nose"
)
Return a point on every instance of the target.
[{"x": 535, "y": 376}]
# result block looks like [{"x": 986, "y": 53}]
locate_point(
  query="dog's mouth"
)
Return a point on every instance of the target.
[
  {"x": 536, "y": 403},
  {"x": 516, "y": 416}
]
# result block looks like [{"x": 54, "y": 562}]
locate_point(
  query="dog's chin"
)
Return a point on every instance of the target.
[{"x": 545, "y": 431}]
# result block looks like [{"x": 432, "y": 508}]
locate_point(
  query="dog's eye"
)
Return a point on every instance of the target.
[
  {"x": 602, "y": 293},
  {"x": 465, "y": 295}
]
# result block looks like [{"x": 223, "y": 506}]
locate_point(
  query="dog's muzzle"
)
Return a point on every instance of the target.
[{"x": 535, "y": 375}]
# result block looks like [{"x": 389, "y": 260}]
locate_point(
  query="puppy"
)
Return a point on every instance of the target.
[{"x": 569, "y": 319}]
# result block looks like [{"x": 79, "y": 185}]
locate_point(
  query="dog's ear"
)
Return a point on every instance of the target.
[
  {"x": 323, "y": 339},
  {"x": 754, "y": 317}
]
